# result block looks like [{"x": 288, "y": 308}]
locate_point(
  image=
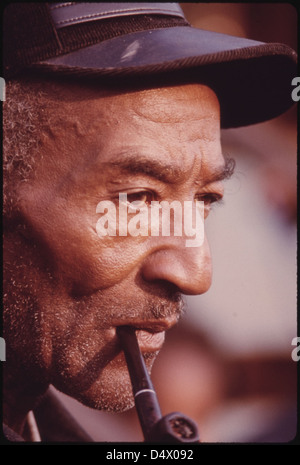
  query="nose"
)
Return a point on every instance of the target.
[{"x": 188, "y": 268}]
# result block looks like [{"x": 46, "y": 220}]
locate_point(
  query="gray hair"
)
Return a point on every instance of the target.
[{"x": 24, "y": 114}]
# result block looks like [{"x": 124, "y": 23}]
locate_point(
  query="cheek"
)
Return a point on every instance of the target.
[
  {"x": 99, "y": 263},
  {"x": 75, "y": 253}
]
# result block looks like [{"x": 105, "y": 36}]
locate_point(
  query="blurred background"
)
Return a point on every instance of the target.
[{"x": 228, "y": 365}]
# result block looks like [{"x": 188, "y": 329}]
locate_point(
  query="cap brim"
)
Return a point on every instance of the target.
[{"x": 252, "y": 80}]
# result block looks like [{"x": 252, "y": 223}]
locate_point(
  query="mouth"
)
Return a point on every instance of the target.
[
  {"x": 150, "y": 341},
  {"x": 151, "y": 334}
]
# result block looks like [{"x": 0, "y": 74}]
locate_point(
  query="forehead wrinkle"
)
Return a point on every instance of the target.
[
  {"x": 167, "y": 117},
  {"x": 196, "y": 102}
]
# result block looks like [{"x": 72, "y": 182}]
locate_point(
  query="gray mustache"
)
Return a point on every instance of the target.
[{"x": 164, "y": 309}]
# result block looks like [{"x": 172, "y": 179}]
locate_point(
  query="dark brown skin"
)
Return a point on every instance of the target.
[{"x": 67, "y": 288}]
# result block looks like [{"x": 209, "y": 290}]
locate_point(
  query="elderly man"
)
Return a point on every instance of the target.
[{"x": 104, "y": 99}]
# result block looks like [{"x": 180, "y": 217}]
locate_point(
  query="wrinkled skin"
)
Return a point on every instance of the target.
[{"x": 67, "y": 288}]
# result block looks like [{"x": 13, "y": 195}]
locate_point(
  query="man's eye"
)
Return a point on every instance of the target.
[
  {"x": 142, "y": 197},
  {"x": 209, "y": 199}
]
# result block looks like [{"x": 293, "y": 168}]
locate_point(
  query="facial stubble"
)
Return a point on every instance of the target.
[{"x": 96, "y": 377}]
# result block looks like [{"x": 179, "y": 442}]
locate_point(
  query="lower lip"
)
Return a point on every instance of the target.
[{"x": 150, "y": 342}]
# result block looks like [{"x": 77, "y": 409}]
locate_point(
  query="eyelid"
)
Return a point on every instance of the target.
[
  {"x": 139, "y": 193},
  {"x": 213, "y": 197}
]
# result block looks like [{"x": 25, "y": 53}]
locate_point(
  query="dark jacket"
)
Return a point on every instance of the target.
[{"x": 54, "y": 422}]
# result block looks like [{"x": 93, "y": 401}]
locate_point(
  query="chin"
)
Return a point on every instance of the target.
[
  {"x": 109, "y": 391},
  {"x": 112, "y": 392},
  {"x": 109, "y": 395}
]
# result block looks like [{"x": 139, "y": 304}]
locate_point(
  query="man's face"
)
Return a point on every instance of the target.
[{"x": 77, "y": 287}]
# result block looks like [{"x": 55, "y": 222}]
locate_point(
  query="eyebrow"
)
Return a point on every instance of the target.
[
  {"x": 224, "y": 172},
  {"x": 165, "y": 172}
]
